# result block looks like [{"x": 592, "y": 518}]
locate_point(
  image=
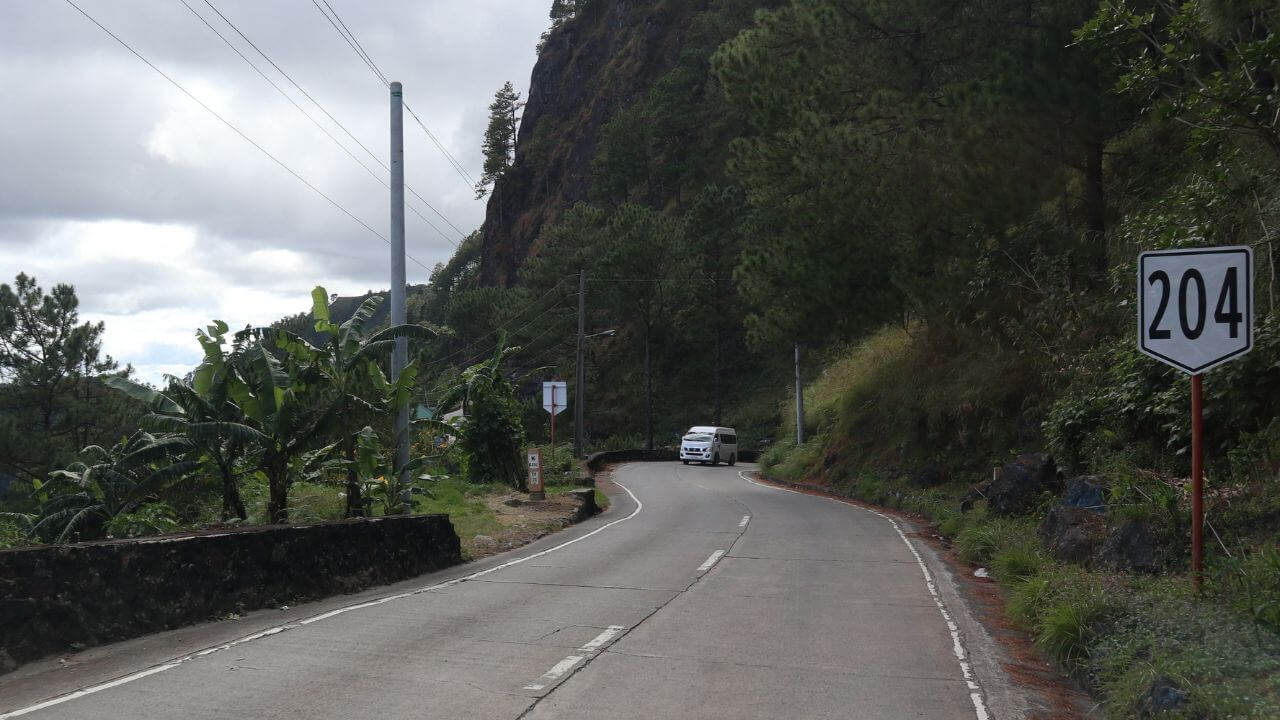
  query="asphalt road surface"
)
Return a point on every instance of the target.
[{"x": 699, "y": 594}]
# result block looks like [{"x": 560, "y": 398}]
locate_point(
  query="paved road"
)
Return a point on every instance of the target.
[{"x": 698, "y": 595}]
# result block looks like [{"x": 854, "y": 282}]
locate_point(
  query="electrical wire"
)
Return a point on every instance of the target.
[
  {"x": 467, "y": 348},
  {"x": 358, "y": 49},
  {"x": 322, "y": 109},
  {"x": 232, "y": 127}
]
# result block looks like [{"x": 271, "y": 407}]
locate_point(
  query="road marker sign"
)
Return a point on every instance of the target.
[
  {"x": 555, "y": 398},
  {"x": 1195, "y": 307},
  {"x": 1195, "y": 312},
  {"x": 536, "y": 490}
]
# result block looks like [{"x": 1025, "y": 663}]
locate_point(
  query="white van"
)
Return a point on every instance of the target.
[{"x": 706, "y": 444}]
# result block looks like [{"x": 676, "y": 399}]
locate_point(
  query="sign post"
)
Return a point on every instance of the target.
[
  {"x": 536, "y": 490},
  {"x": 1176, "y": 325},
  {"x": 555, "y": 398}
]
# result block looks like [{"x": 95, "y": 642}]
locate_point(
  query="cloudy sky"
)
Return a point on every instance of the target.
[{"x": 163, "y": 218}]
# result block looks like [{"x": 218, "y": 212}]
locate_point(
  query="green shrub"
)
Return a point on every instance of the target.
[
  {"x": 1251, "y": 585},
  {"x": 15, "y": 531},
  {"x": 1028, "y": 600},
  {"x": 151, "y": 519},
  {"x": 950, "y": 524},
  {"x": 1068, "y": 629},
  {"x": 982, "y": 537},
  {"x": 1018, "y": 564}
]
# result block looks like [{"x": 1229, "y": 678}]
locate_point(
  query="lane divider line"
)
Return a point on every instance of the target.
[
  {"x": 572, "y": 661},
  {"x": 171, "y": 664},
  {"x": 556, "y": 672},
  {"x": 604, "y": 637},
  {"x": 743, "y": 522},
  {"x": 715, "y": 557},
  {"x": 957, "y": 646}
]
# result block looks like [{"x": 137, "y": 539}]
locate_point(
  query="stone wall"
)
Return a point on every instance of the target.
[{"x": 62, "y": 598}]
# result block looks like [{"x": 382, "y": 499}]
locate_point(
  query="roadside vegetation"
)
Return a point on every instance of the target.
[
  {"x": 1109, "y": 598},
  {"x": 271, "y": 427}
]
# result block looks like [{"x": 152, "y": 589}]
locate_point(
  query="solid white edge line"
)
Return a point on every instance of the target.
[
  {"x": 957, "y": 647},
  {"x": 169, "y": 665},
  {"x": 715, "y": 556}
]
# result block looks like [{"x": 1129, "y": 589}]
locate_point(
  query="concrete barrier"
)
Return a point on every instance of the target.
[{"x": 61, "y": 598}]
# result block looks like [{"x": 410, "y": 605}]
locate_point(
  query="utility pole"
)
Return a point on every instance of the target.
[
  {"x": 579, "y": 375},
  {"x": 799, "y": 401},
  {"x": 399, "y": 314}
]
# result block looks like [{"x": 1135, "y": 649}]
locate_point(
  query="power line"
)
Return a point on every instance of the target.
[
  {"x": 315, "y": 102},
  {"x": 469, "y": 346},
  {"x": 462, "y": 172},
  {"x": 359, "y": 50},
  {"x": 233, "y": 128}
]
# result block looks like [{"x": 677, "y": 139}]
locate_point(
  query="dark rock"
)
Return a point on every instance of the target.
[
  {"x": 513, "y": 502},
  {"x": 1132, "y": 547},
  {"x": 1087, "y": 492},
  {"x": 1022, "y": 483},
  {"x": 1072, "y": 534},
  {"x": 15, "y": 610},
  {"x": 1163, "y": 696},
  {"x": 931, "y": 475},
  {"x": 7, "y": 663}
]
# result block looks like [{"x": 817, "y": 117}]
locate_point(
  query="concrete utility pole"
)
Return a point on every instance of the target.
[
  {"x": 579, "y": 375},
  {"x": 799, "y": 401},
  {"x": 399, "y": 314}
]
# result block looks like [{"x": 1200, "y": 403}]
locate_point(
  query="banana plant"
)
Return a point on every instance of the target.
[
  {"x": 82, "y": 499},
  {"x": 309, "y": 394},
  {"x": 204, "y": 412}
]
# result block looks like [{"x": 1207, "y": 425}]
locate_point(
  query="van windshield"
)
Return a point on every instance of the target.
[{"x": 698, "y": 437}]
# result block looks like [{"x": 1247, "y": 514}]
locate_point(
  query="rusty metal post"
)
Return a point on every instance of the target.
[{"x": 1197, "y": 482}]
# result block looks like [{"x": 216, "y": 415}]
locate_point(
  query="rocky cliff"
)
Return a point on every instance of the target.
[{"x": 591, "y": 66}]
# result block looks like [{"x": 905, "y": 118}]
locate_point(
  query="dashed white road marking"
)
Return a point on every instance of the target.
[
  {"x": 604, "y": 637},
  {"x": 556, "y": 672},
  {"x": 743, "y": 522},
  {"x": 957, "y": 647},
  {"x": 171, "y": 664},
  {"x": 572, "y": 661},
  {"x": 715, "y": 556}
]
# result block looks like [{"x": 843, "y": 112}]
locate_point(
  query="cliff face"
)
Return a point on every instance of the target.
[{"x": 592, "y": 66}]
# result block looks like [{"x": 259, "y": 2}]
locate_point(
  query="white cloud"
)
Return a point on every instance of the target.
[{"x": 164, "y": 219}]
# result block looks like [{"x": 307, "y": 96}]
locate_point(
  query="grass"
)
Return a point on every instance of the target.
[
  {"x": 464, "y": 503},
  {"x": 895, "y": 401}
]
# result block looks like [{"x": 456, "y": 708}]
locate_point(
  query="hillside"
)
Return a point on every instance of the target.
[{"x": 943, "y": 205}]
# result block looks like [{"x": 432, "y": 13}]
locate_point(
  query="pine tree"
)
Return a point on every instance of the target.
[{"x": 499, "y": 143}]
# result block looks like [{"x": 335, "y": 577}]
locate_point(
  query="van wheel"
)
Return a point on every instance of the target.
[
  {"x": 733, "y": 459},
  {"x": 715, "y": 459}
]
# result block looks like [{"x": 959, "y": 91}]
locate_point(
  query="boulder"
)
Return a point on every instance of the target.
[
  {"x": 1132, "y": 546},
  {"x": 1022, "y": 483},
  {"x": 1162, "y": 697},
  {"x": 1087, "y": 492},
  {"x": 931, "y": 475},
  {"x": 1072, "y": 534}
]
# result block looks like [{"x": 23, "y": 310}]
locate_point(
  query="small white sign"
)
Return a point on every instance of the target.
[
  {"x": 555, "y": 396},
  {"x": 535, "y": 471},
  {"x": 1195, "y": 307}
]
